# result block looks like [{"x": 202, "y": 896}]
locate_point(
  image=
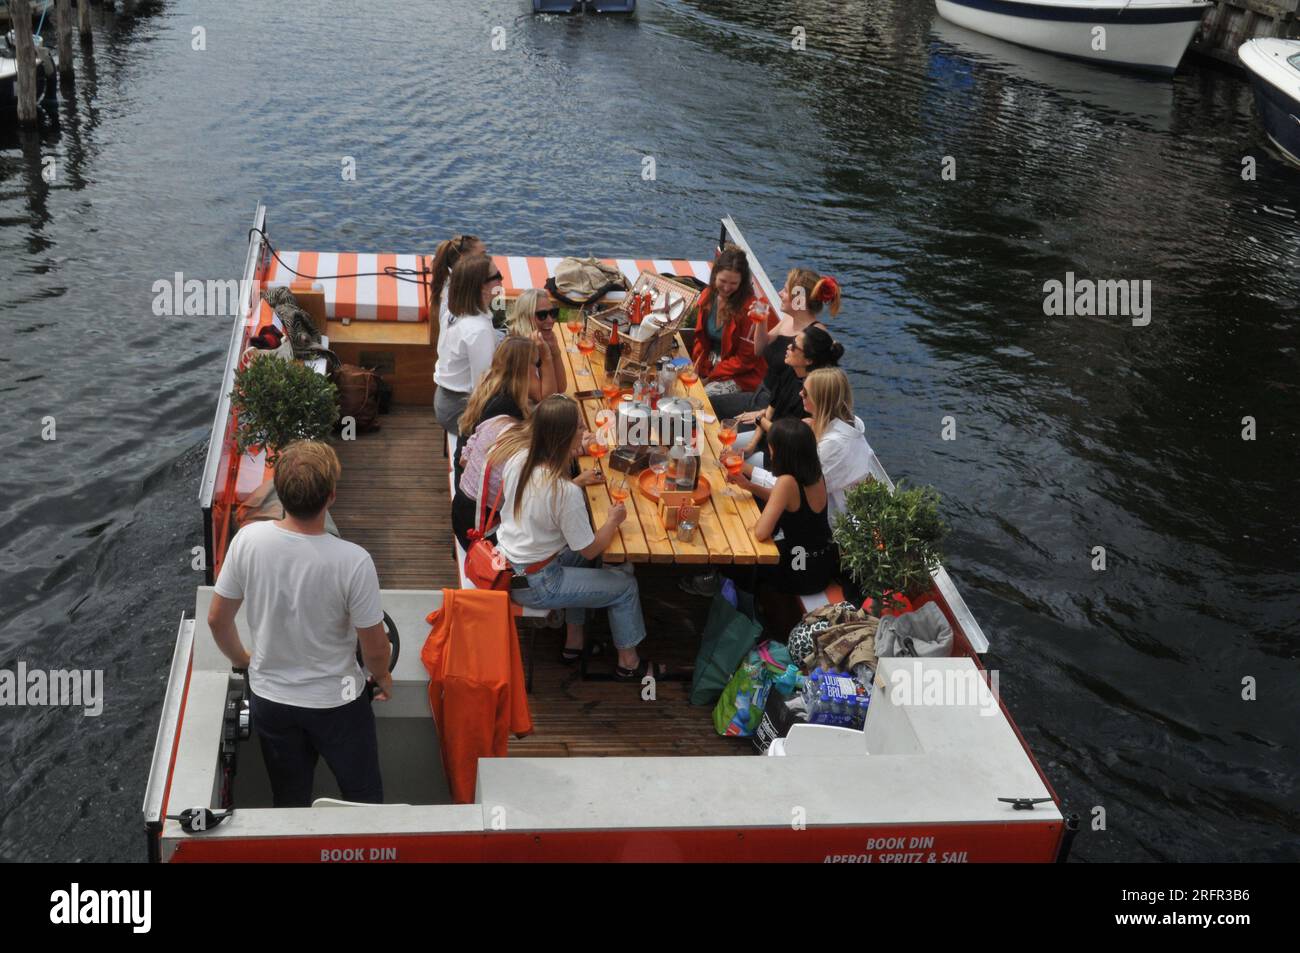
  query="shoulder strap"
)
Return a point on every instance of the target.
[{"x": 483, "y": 523}]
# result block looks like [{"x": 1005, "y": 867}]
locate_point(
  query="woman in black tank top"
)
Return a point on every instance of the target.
[{"x": 796, "y": 509}]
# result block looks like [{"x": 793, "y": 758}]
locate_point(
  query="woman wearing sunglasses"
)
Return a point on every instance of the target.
[
  {"x": 811, "y": 349},
  {"x": 465, "y": 351},
  {"x": 533, "y": 315}
]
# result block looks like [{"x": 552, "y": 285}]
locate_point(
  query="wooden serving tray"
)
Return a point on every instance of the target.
[{"x": 648, "y": 478}]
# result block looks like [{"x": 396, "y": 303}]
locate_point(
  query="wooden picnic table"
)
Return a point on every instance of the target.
[{"x": 726, "y": 525}]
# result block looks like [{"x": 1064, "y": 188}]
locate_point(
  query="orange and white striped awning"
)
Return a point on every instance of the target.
[
  {"x": 373, "y": 296},
  {"x": 518, "y": 273}
]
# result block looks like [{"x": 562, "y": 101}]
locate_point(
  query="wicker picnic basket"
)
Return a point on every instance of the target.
[{"x": 644, "y": 350}]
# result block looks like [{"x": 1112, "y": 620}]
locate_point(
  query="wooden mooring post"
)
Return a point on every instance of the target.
[
  {"x": 1229, "y": 23},
  {"x": 63, "y": 23},
  {"x": 25, "y": 82},
  {"x": 83, "y": 17}
]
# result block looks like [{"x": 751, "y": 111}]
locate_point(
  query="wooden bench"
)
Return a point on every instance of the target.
[{"x": 828, "y": 596}]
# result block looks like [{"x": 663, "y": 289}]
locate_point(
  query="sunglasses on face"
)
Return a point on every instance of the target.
[
  {"x": 795, "y": 347},
  {"x": 547, "y": 314},
  {"x": 494, "y": 277}
]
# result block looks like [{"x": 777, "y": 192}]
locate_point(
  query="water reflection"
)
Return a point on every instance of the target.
[{"x": 1146, "y": 100}]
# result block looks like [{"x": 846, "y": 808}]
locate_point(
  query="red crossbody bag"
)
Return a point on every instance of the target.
[{"x": 484, "y": 564}]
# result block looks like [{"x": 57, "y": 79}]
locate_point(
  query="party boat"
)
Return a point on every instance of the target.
[{"x": 607, "y": 775}]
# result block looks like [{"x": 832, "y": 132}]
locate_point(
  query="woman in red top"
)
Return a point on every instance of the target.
[{"x": 723, "y": 350}]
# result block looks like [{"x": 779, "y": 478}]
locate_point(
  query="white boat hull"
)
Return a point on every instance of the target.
[
  {"x": 1274, "y": 66},
  {"x": 1146, "y": 37}
]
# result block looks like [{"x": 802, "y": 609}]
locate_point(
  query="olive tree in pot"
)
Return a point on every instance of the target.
[
  {"x": 278, "y": 401},
  {"x": 890, "y": 541}
]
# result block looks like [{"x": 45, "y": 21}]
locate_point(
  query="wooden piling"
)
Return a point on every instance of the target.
[
  {"x": 1229, "y": 23},
  {"x": 63, "y": 23},
  {"x": 26, "y": 56},
  {"x": 83, "y": 17}
]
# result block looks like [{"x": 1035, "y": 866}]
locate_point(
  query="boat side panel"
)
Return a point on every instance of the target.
[{"x": 928, "y": 843}]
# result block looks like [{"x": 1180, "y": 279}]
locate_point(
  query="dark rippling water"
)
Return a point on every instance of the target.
[{"x": 1071, "y": 432}]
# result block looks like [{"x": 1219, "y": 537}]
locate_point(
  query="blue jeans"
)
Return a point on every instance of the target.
[
  {"x": 571, "y": 583},
  {"x": 293, "y": 738}
]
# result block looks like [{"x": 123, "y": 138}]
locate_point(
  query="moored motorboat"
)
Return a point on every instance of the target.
[
  {"x": 1274, "y": 67},
  {"x": 1134, "y": 34}
]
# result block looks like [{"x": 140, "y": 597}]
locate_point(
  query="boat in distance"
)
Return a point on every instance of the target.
[{"x": 1150, "y": 35}]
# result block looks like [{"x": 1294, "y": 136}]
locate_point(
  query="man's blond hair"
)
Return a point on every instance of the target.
[{"x": 306, "y": 473}]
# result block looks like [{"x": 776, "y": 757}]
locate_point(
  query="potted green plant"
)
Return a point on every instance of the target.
[
  {"x": 278, "y": 401},
  {"x": 890, "y": 541}
]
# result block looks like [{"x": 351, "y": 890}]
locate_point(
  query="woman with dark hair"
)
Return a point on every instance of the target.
[
  {"x": 445, "y": 258},
  {"x": 810, "y": 350},
  {"x": 465, "y": 351},
  {"x": 723, "y": 349},
  {"x": 797, "y": 507}
]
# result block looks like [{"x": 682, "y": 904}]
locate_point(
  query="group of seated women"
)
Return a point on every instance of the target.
[{"x": 505, "y": 393}]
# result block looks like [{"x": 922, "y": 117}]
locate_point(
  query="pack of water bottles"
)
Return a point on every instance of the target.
[{"x": 835, "y": 698}]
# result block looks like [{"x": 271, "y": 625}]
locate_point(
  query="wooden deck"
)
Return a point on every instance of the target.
[{"x": 393, "y": 500}]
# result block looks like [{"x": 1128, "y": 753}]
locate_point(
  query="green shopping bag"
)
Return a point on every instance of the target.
[
  {"x": 740, "y": 708},
  {"x": 728, "y": 637}
]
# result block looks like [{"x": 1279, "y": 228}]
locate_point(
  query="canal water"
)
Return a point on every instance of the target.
[{"x": 1158, "y": 693}]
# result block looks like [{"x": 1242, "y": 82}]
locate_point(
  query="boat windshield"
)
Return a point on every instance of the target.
[{"x": 1294, "y": 61}]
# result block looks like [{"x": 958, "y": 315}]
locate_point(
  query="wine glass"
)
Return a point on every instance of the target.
[
  {"x": 734, "y": 462},
  {"x": 586, "y": 344},
  {"x": 760, "y": 311},
  {"x": 618, "y": 490},
  {"x": 688, "y": 375},
  {"x": 659, "y": 464},
  {"x": 597, "y": 447},
  {"x": 573, "y": 324}
]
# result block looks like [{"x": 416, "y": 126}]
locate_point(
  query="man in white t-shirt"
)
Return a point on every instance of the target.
[{"x": 309, "y": 597}]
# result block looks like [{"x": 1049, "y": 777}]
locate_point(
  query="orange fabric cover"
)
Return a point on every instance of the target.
[{"x": 476, "y": 682}]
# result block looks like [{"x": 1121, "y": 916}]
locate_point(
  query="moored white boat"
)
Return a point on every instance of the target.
[
  {"x": 1134, "y": 34},
  {"x": 1274, "y": 67}
]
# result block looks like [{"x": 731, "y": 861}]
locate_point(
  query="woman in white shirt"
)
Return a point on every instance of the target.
[
  {"x": 465, "y": 350},
  {"x": 546, "y": 535},
  {"x": 841, "y": 438},
  {"x": 445, "y": 258}
]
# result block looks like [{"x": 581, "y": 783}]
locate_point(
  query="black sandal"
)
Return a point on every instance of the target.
[
  {"x": 569, "y": 656},
  {"x": 659, "y": 672},
  {"x": 622, "y": 674}
]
